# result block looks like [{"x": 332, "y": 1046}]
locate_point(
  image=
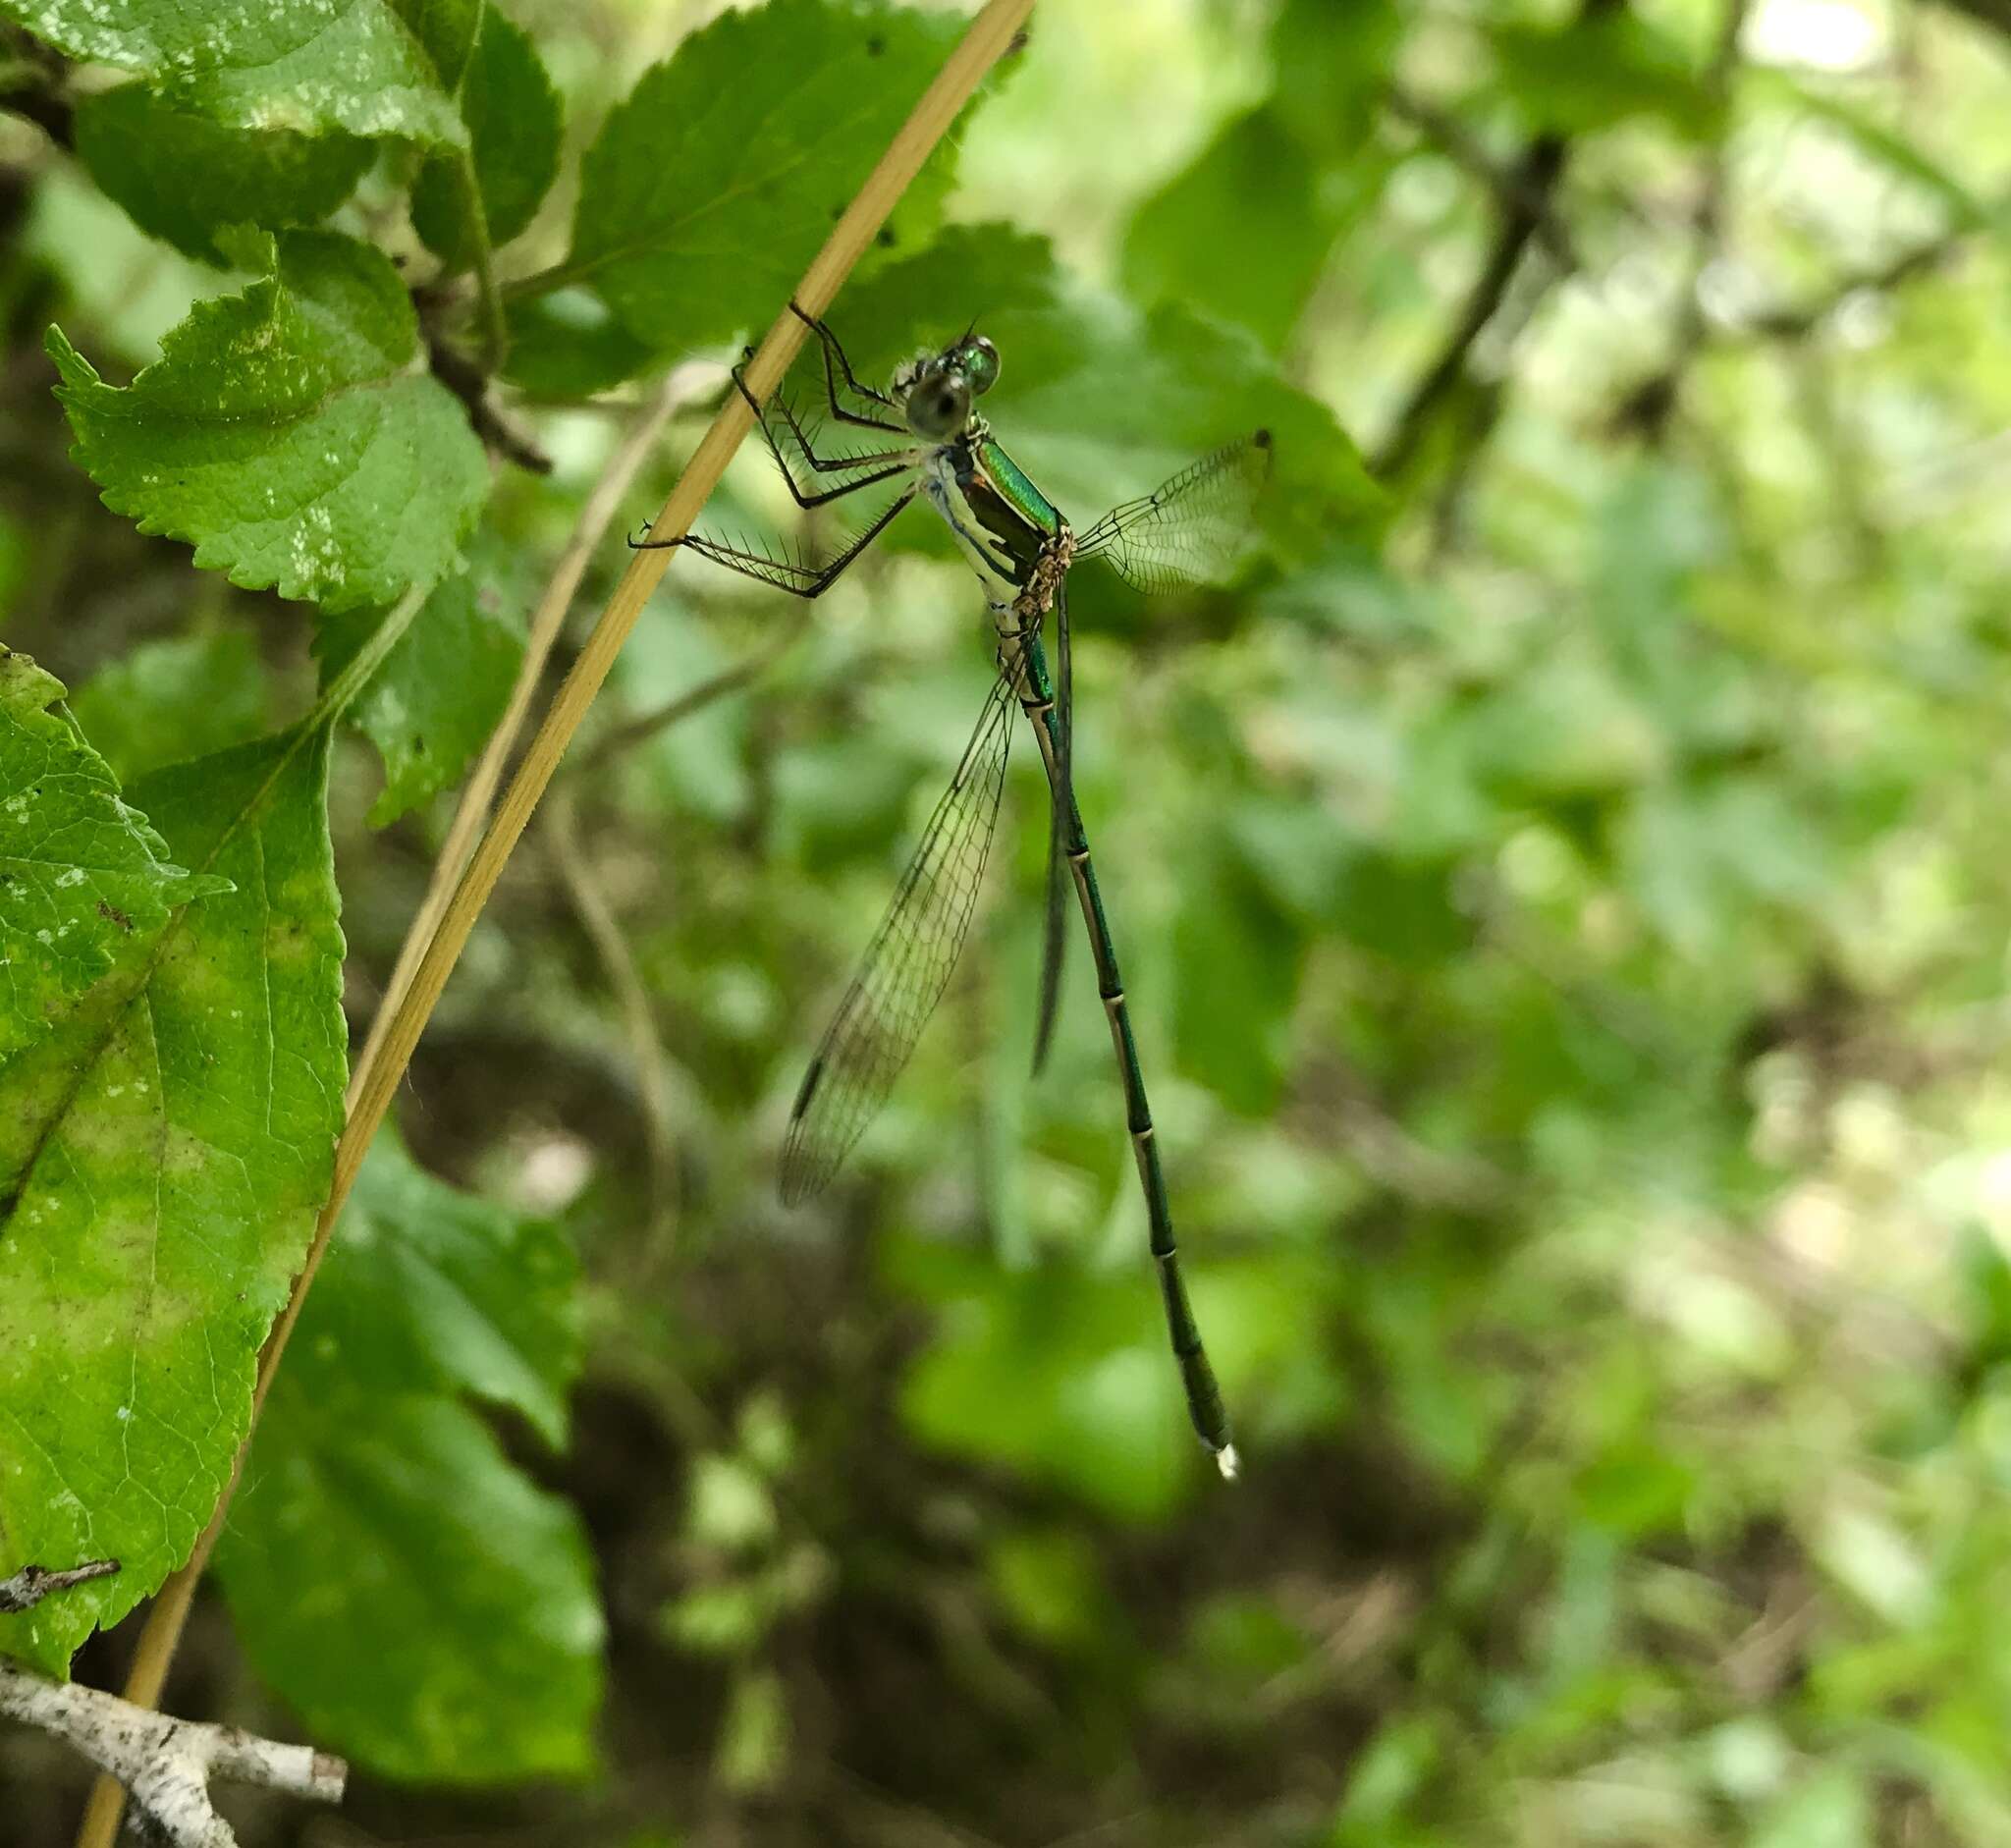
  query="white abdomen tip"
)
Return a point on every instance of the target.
[{"x": 1226, "y": 1460}]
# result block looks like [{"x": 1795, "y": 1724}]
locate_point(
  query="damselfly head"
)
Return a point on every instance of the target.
[{"x": 935, "y": 390}]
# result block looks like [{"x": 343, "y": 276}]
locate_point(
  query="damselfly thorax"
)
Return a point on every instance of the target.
[{"x": 1012, "y": 535}]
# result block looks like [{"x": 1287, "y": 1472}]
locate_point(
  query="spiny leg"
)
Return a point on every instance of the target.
[
  {"x": 800, "y": 580},
  {"x": 823, "y": 465},
  {"x": 832, "y": 348}
]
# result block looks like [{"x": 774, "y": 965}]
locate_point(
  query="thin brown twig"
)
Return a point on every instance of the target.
[
  {"x": 1526, "y": 191},
  {"x": 987, "y": 38},
  {"x": 1648, "y": 409},
  {"x": 1508, "y": 183},
  {"x": 1801, "y": 320},
  {"x": 560, "y": 832},
  {"x": 547, "y": 620},
  {"x": 470, "y": 383},
  {"x": 1533, "y": 180},
  {"x": 597, "y": 916},
  {"x": 25, "y": 1588}
]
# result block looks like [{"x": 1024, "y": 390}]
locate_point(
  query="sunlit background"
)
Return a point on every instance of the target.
[{"x": 1564, "y": 914}]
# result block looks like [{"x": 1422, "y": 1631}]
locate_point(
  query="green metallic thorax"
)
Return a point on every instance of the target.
[{"x": 1015, "y": 488}]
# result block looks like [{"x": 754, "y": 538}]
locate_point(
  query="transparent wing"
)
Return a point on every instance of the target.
[
  {"x": 1188, "y": 531},
  {"x": 907, "y": 966}
]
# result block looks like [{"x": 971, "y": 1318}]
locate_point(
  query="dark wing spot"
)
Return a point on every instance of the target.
[{"x": 1262, "y": 439}]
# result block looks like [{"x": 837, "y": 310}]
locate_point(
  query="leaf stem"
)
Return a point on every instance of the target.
[
  {"x": 494, "y": 329},
  {"x": 357, "y": 672},
  {"x": 546, "y": 622}
]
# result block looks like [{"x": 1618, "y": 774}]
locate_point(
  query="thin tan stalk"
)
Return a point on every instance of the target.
[
  {"x": 991, "y": 33},
  {"x": 547, "y": 620}
]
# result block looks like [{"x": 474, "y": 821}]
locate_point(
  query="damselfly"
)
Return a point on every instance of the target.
[{"x": 1023, "y": 550}]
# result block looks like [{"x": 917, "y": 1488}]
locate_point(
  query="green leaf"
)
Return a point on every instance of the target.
[
  {"x": 1242, "y": 231},
  {"x": 85, "y": 890},
  {"x": 446, "y": 30},
  {"x": 433, "y": 704},
  {"x": 1601, "y": 70},
  {"x": 419, "y": 1602},
  {"x": 1098, "y": 403},
  {"x": 708, "y": 188},
  {"x": 1056, "y": 1372},
  {"x": 309, "y": 66},
  {"x": 569, "y": 345},
  {"x": 283, "y": 433},
  {"x": 1330, "y": 60},
  {"x": 183, "y": 697},
  {"x": 163, "y": 1181},
  {"x": 1245, "y": 229},
  {"x": 514, "y": 125},
  {"x": 182, "y": 175},
  {"x": 436, "y": 1291},
  {"x": 1238, "y": 958}
]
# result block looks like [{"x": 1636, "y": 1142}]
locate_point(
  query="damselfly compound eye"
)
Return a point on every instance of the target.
[
  {"x": 937, "y": 407},
  {"x": 981, "y": 364}
]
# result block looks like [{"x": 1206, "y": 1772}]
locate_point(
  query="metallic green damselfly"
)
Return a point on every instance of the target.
[{"x": 1023, "y": 550}]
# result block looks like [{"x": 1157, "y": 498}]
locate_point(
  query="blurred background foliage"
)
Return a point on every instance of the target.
[{"x": 1564, "y": 905}]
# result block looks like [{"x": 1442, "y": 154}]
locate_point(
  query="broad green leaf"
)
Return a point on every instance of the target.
[
  {"x": 709, "y": 190},
  {"x": 419, "y": 1602},
  {"x": 1242, "y": 231},
  {"x": 1056, "y": 1372},
  {"x": 85, "y": 890},
  {"x": 285, "y": 433},
  {"x": 1238, "y": 958},
  {"x": 309, "y": 66},
  {"x": 182, "y": 175},
  {"x": 1061, "y": 1372},
  {"x": 431, "y": 705},
  {"x": 1601, "y": 70},
  {"x": 434, "y": 1289},
  {"x": 446, "y": 30},
  {"x": 1330, "y": 60},
  {"x": 569, "y": 345},
  {"x": 163, "y": 1188},
  {"x": 513, "y": 115},
  {"x": 183, "y": 697},
  {"x": 1098, "y": 403}
]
